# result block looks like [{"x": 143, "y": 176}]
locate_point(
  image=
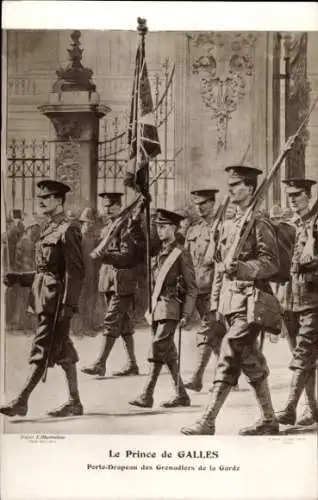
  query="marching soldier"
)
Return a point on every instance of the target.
[
  {"x": 302, "y": 305},
  {"x": 197, "y": 242},
  {"x": 56, "y": 285},
  {"x": 172, "y": 272},
  {"x": 117, "y": 281},
  {"x": 234, "y": 297}
]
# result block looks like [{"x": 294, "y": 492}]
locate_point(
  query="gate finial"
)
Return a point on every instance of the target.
[
  {"x": 75, "y": 76},
  {"x": 142, "y": 26}
]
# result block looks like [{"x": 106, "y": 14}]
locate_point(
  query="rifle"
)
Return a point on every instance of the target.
[
  {"x": 119, "y": 222},
  {"x": 307, "y": 255},
  {"x": 179, "y": 356},
  {"x": 248, "y": 219},
  {"x": 180, "y": 294},
  {"x": 210, "y": 253}
]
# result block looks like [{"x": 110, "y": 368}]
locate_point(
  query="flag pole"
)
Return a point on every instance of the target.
[{"x": 142, "y": 30}]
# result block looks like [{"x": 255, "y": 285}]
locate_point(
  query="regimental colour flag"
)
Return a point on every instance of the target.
[{"x": 143, "y": 137}]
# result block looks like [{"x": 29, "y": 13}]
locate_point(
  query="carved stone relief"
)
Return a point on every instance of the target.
[
  {"x": 68, "y": 164},
  {"x": 298, "y": 98},
  {"x": 224, "y": 62},
  {"x": 67, "y": 128}
]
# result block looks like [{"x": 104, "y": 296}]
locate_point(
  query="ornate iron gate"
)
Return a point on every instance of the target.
[
  {"x": 113, "y": 153},
  {"x": 27, "y": 163}
]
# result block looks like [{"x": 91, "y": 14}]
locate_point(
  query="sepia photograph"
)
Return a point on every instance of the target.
[{"x": 159, "y": 233}]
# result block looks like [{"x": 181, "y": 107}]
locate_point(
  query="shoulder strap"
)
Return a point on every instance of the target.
[{"x": 168, "y": 263}]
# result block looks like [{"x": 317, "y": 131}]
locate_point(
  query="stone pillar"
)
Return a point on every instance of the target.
[
  {"x": 312, "y": 146},
  {"x": 74, "y": 112}
]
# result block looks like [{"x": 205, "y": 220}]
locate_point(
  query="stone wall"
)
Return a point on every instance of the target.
[{"x": 312, "y": 147}]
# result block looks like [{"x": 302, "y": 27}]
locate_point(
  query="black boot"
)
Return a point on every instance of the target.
[
  {"x": 308, "y": 417},
  {"x": 99, "y": 368},
  {"x": 145, "y": 400},
  {"x": 19, "y": 406},
  {"x": 268, "y": 424},
  {"x": 310, "y": 414},
  {"x": 70, "y": 408},
  {"x": 132, "y": 367},
  {"x": 181, "y": 398},
  {"x": 206, "y": 424},
  {"x": 14, "y": 408},
  {"x": 204, "y": 355},
  {"x": 288, "y": 415}
]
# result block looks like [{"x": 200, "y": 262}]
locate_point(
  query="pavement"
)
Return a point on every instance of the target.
[{"x": 105, "y": 400}]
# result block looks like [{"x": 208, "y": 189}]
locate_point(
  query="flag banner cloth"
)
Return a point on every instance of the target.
[{"x": 143, "y": 137}]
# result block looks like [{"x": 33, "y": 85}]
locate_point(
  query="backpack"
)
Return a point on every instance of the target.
[{"x": 285, "y": 238}]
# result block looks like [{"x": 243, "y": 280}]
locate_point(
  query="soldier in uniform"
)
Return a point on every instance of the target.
[
  {"x": 56, "y": 285},
  {"x": 25, "y": 262},
  {"x": 14, "y": 232},
  {"x": 117, "y": 281},
  {"x": 302, "y": 304},
  {"x": 172, "y": 269},
  {"x": 197, "y": 242},
  {"x": 233, "y": 297}
]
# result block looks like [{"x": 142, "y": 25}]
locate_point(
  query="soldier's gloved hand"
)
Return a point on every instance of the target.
[
  {"x": 67, "y": 311},
  {"x": 220, "y": 267},
  {"x": 11, "y": 279},
  {"x": 94, "y": 255},
  {"x": 184, "y": 321},
  {"x": 231, "y": 268},
  {"x": 290, "y": 143}
]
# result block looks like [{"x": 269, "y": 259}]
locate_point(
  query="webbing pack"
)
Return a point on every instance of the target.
[{"x": 285, "y": 238}]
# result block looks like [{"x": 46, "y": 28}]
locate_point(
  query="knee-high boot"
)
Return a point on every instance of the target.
[
  {"x": 145, "y": 400},
  {"x": 204, "y": 355},
  {"x": 132, "y": 367},
  {"x": 206, "y": 424},
  {"x": 19, "y": 406},
  {"x": 181, "y": 398},
  {"x": 310, "y": 414},
  {"x": 99, "y": 368},
  {"x": 268, "y": 424},
  {"x": 298, "y": 383}
]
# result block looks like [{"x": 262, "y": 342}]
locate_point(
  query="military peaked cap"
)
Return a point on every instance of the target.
[
  {"x": 163, "y": 216},
  {"x": 297, "y": 184},
  {"x": 238, "y": 173},
  {"x": 111, "y": 197},
  {"x": 48, "y": 187},
  {"x": 202, "y": 195}
]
